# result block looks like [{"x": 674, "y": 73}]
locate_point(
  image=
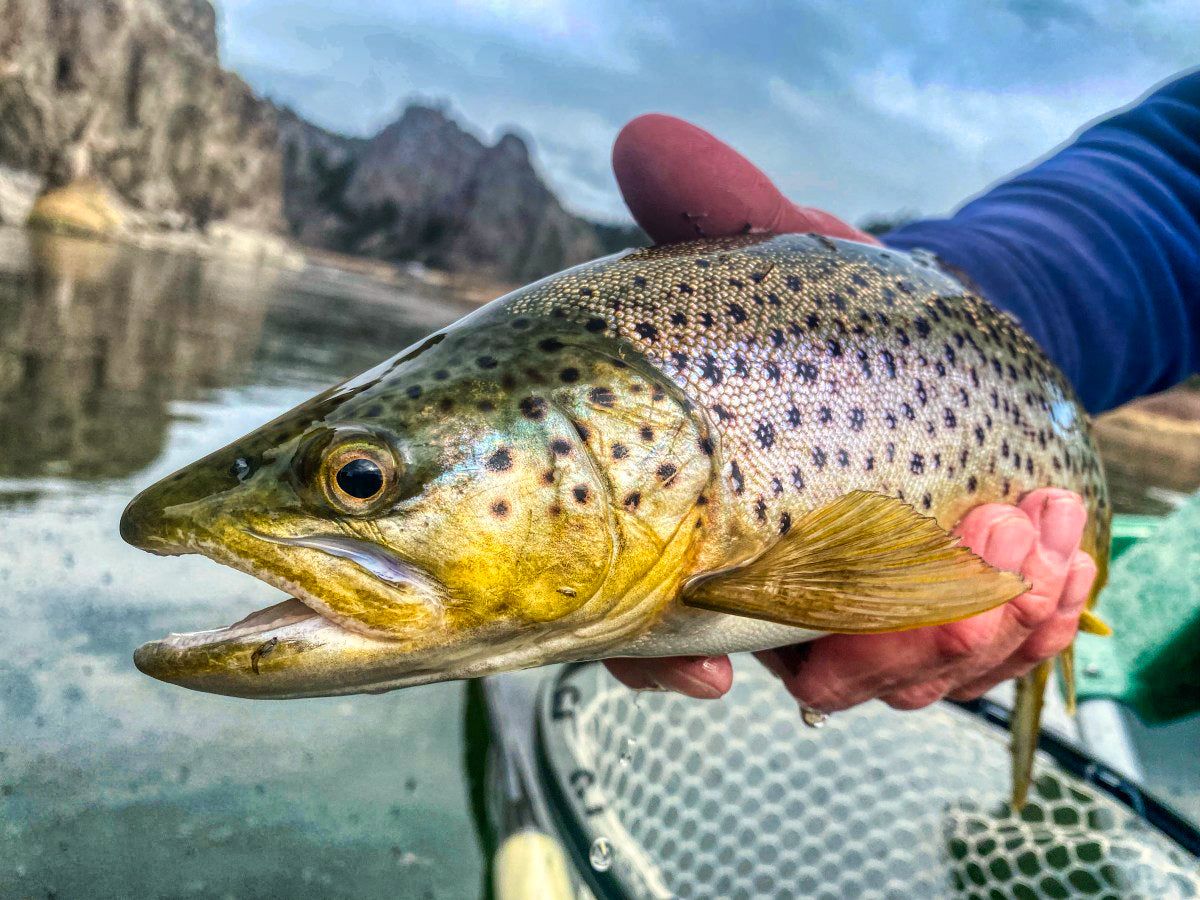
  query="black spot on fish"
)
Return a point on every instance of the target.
[
  {"x": 793, "y": 282},
  {"x": 413, "y": 391},
  {"x": 772, "y": 372},
  {"x": 909, "y": 412},
  {"x": 922, "y": 327},
  {"x": 485, "y": 406},
  {"x": 710, "y": 370},
  {"x": 707, "y": 320},
  {"x": 722, "y": 413},
  {"x": 739, "y": 366},
  {"x": 889, "y": 362},
  {"x": 678, "y": 319},
  {"x": 917, "y": 464},
  {"x": 949, "y": 418},
  {"x": 902, "y": 336},
  {"x": 619, "y": 451},
  {"x": 979, "y": 435},
  {"x": 793, "y": 417},
  {"x": 532, "y": 407},
  {"x": 569, "y": 375},
  {"x": 639, "y": 281},
  {"x": 706, "y": 446},
  {"x": 735, "y": 473},
  {"x": 581, "y": 492},
  {"x": 765, "y": 432},
  {"x": 602, "y": 396},
  {"x": 857, "y": 418},
  {"x": 596, "y": 325},
  {"x": 685, "y": 288},
  {"x": 646, "y": 331},
  {"x": 972, "y": 484},
  {"x": 520, "y": 323},
  {"x": 582, "y": 431},
  {"x": 500, "y": 461},
  {"x": 500, "y": 508},
  {"x": 486, "y": 362},
  {"x": 441, "y": 375},
  {"x": 737, "y": 283},
  {"x": 680, "y": 359},
  {"x": 647, "y": 433},
  {"x": 869, "y": 464},
  {"x": 632, "y": 500},
  {"x": 806, "y": 371},
  {"x": 760, "y": 509},
  {"x": 890, "y": 419},
  {"x": 548, "y": 476},
  {"x": 373, "y": 411},
  {"x": 702, "y": 263},
  {"x": 922, "y": 394},
  {"x": 797, "y": 479},
  {"x": 736, "y": 312},
  {"x": 666, "y": 473},
  {"x": 776, "y": 487},
  {"x": 843, "y": 458},
  {"x": 835, "y": 348},
  {"x": 446, "y": 404},
  {"x": 818, "y": 457},
  {"x": 559, "y": 447},
  {"x": 550, "y": 345},
  {"x": 824, "y": 415},
  {"x": 585, "y": 292},
  {"x": 926, "y": 501},
  {"x": 813, "y": 321}
]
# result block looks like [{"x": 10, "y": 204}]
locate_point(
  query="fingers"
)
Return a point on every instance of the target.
[
  {"x": 681, "y": 183},
  {"x": 702, "y": 677}
]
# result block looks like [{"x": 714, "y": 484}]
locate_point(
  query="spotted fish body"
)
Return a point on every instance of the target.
[{"x": 573, "y": 459}]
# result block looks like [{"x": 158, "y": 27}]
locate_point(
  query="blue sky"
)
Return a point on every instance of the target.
[{"x": 858, "y": 107}]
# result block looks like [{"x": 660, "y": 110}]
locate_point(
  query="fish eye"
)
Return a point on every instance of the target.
[
  {"x": 358, "y": 474},
  {"x": 360, "y": 478}
]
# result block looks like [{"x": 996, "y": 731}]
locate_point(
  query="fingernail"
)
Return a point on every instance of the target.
[{"x": 697, "y": 687}]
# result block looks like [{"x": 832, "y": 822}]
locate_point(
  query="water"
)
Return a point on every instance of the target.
[{"x": 116, "y": 367}]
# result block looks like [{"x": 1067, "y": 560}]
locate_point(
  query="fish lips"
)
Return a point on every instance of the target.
[{"x": 285, "y": 651}]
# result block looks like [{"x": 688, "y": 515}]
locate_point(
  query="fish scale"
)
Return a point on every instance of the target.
[{"x": 825, "y": 366}]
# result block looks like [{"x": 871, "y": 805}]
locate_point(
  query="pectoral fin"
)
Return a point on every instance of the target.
[{"x": 864, "y": 563}]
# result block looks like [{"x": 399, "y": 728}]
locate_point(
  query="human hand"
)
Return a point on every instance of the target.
[{"x": 680, "y": 183}]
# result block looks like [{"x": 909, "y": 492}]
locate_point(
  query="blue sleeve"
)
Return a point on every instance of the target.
[{"x": 1096, "y": 250}]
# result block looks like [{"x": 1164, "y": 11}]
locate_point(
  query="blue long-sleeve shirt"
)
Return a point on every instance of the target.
[{"x": 1096, "y": 250}]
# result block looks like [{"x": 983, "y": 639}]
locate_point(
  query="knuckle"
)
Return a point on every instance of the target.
[
  {"x": 1032, "y": 609},
  {"x": 963, "y": 640},
  {"x": 916, "y": 696}
]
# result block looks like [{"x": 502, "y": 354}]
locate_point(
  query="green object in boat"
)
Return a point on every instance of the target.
[{"x": 1152, "y": 601}]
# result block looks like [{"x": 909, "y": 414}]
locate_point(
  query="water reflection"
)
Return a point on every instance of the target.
[
  {"x": 117, "y": 366},
  {"x": 97, "y": 339}
]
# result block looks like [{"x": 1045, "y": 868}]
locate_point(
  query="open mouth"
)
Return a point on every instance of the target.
[{"x": 299, "y": 646}]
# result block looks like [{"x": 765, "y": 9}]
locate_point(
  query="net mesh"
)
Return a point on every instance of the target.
[{"x": 739, "y": 799}]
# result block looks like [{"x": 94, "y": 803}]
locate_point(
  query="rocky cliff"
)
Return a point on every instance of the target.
[
  {"x": 129, "y": 96},
  {"x": 131, "y": 91},
  {"x": 424, "y": 189}
]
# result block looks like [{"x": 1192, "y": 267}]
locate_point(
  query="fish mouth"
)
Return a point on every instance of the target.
[{"x": 299, "y": 647}]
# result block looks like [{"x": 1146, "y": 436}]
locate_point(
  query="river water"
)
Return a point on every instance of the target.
[{"x": 118, "y": 366}]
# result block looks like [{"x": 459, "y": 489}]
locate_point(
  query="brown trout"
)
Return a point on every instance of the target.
[{"x": 702, "y": 448}]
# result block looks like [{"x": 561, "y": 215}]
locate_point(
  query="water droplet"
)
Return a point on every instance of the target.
[
  {"x": 601, "y": 854},
  {"x": 1091, "y": 670},
  {"x": 812, "y": 718}
]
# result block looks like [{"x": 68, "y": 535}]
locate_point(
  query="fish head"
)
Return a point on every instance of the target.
[{"x": 452, "y": 513}]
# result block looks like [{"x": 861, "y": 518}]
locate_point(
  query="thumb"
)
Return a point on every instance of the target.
[{"x": 681, "y": 183}]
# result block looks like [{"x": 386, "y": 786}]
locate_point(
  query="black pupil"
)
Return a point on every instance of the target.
[{"x": 360, "y": 478}]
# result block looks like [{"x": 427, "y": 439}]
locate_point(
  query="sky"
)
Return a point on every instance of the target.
[{"x": 861, "y": 107}]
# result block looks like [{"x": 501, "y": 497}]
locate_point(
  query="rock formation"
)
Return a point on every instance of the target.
[{"x": 131, "y": 93}]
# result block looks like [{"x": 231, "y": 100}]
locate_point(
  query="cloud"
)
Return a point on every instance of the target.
[{"x": 862, "y": 108}]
